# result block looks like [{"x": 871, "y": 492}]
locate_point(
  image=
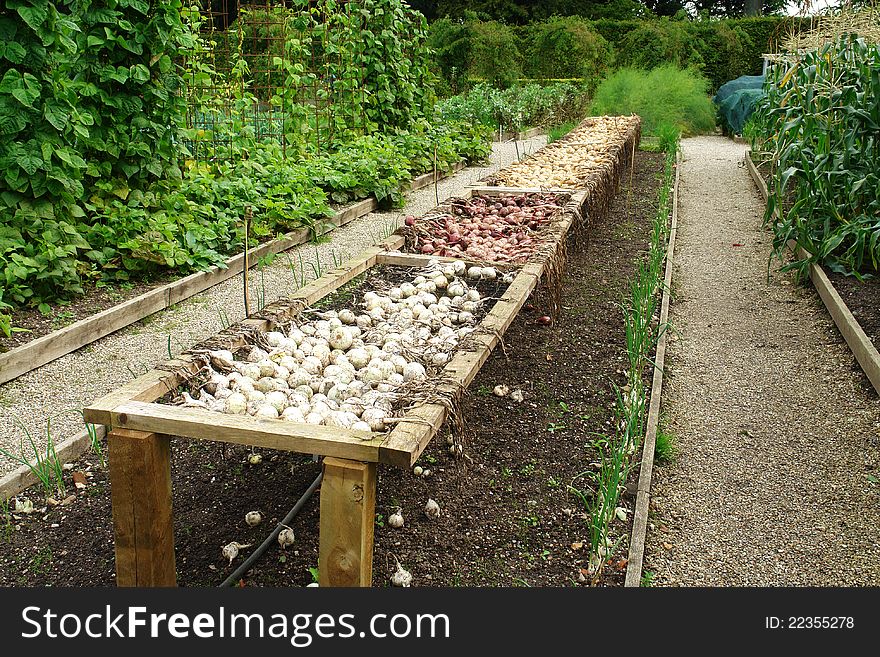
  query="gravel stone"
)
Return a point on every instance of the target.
[
  {"x": 59, "y": 389},
  {"x": 773, "y": 419}
]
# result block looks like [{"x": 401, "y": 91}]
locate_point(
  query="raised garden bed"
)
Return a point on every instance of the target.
[
  {"x": 45, "y": 341},
  {"x": 582, "y": 160},
  {"x": 507, "y": 515}
]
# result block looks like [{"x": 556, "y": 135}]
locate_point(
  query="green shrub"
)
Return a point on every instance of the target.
[
  {"x": 494, "y": 54},
  {"x": 516, "y": 108},
  {"x": 567, "y": 48},
  {"x": 667, "y": 94}
]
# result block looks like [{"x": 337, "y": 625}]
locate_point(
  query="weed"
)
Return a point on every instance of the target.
[
  {"x": 6, "y": 520},
  {"x": 647, "y": 578},
  {"x": 39, "y": 563},
  {"x": 559, "y": 131},
  {"x": 664, "y": 446},
  {"x": 47, "y": 468}
]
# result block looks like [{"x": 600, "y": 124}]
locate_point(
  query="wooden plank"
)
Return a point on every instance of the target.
[
  {"x": 140, "y": 488},
  {"x": 348, "y": 514},
  {"x": 859, "y": 343},
  {"x": 246, "y": 430},
  {"x": 148, "y": 387},
  {"x": 408, "y": 439},
  {"x": 636, "y": 557},
  {"x": 428, "y": 178}
]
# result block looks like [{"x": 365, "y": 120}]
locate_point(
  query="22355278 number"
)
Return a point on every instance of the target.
[{"x": 809, "y": 623}]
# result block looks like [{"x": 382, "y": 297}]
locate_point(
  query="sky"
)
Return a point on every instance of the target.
[{"x": 815, "y": 7}]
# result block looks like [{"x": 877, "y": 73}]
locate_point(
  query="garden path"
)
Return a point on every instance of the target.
[{"x": 776, "y": 428}]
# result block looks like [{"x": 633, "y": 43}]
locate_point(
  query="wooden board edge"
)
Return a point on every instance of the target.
[
  {"x": 201, "y": 424},
  {"x": 857, "y": 340},
  {"x": 639, "y": 534}
]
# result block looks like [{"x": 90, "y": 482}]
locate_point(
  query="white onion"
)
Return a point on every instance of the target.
[
  {"x": 267, "y": 410},
  {"x": 340, "y": 338},
  {"x": 236, "y": 404},
  {"x": 293, "y": 414},
  {"x": 359, "y": 357},
  {"x": 346, "y": 316},
  {"x": 375, "y": 418},
  {"x": 413, "y": 372},
  {"x": 277, "y": 399},
  {"x": 274, "y": 338},
  {"x": 314, "y": 418},
  {"x": 360, "y": 425},
  {"x": 311, "y": 364}
]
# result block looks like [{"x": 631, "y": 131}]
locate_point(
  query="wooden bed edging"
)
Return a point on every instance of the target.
[
  {"x": 856, "y": 339},
  {"x": 47, "y": 348},
  {"x": 636, "y": 557}
]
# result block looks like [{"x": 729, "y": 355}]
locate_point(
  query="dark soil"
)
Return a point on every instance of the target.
[
  {"x": 509, "y": 515},
  {"x": 62, "y": 314},
  {"x": 863, "y": 300}
]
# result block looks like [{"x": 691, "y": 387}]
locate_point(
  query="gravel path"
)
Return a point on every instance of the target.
[
  {"x": 59, "y": 388},
  {"x": 776, "y": 427}
]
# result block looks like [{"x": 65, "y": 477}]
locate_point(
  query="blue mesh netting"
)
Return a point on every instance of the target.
[{"x": 736, "y": 101}]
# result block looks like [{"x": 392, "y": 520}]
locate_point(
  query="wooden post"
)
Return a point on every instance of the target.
[
  {"x": 140, "y": 490},
  {"x": 348, "y": 511}
]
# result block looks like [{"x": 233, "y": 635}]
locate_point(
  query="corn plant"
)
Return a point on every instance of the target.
[{"x": 819, "y": 123}]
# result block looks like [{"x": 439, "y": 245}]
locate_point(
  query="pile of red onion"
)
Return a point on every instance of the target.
[{"x": 503, "y": 228}]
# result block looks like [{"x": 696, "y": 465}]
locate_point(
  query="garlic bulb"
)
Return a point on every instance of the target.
[
  {"x": 401, "y": 577},
  {"x": 413, "y": 372},
  {"x": 236, "y": 404},
  {"x": 432, "y": 509},
  {"x": 231, "y": 550},
  {"x": 395, "y": 520},
  {"x": 254, "y": 458},
  {"x": 286, "y": 537},
  {"x": 277, "y": 399},
  {"x": 267, "y": 411},
  {"x": 253, "y": 518},
  {"x": 340, "y": 338}
]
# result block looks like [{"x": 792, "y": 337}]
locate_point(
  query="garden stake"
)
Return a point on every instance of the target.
[
  {"x": 248, "y": 214},
  {"x": 436, "y": 187}
]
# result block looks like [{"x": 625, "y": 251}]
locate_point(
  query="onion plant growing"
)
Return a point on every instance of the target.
[{"x": 618, "y": 449}]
